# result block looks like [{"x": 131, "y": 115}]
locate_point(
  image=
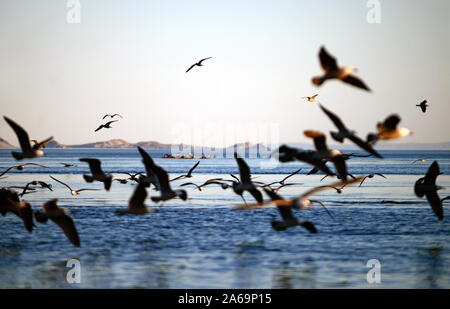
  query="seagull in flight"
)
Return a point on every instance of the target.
[
  {"x": 112, "y": 116},
  {"x": 423, "y": 105},
  {"x": 311, "y": 99},
  {"x": 21, "y": 167},
  {"x": 388, "y": 130},
  {"x": 136, "y": 205},
  {"x": 287, "y": 215},
  {"x": 371, "y": 176},
  {"x": 198, "y": 64},
  {"x": 10, "y": 202},
  {"x": 28, "y": 152},
  {"x": 426, "y": 186},
  {"x": 423, "y": 160},
  {"x": 106, "y": 125},
  {"x": 346, "y": 133},
  {"x": 188, "y": 175},
  {"x": 72, "y": 191},
  {"x": 60, "y": 218},
  {"x": 162, "y": 179},
  {"x": 333, "y": 71},
  {"x": 97, "y": 173}
]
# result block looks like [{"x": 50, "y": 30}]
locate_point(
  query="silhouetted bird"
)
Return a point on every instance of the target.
[
  {"x": 189, "y": 174},
  {"x": 72, "y": 191},
  {"x": 112, "y": 116},
  {"x": 426, "y": 186},
  {"x": 136, "y": 204},
  {"x": 345, "y": 133},
  {"x": 21, "y": 167},
  {"x": 97, "y": 173},
  {"x": 60, "y": 218},
  {"x": 106, "y": 125},
  {"x": 197, "y": 64},
  {"x": 423, "y": 106},
  {"x": 28, "y": 152},
  {"x": 332, "y": 71},
  {"x": 10, "y": 202},
  {"x": 388, "y": 130}
]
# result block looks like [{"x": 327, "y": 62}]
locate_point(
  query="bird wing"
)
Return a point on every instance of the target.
[
  {"x": 101, "y": 126},
  {"x": 318, "y": 138},
  {"x": 22, "y": 135},
  {"x": 116, "y": 115},
  {"x": 355, "y": 81},
  {"x": 435, "y": 203},
  {"x": 362, "y": 144},
  {"x": 423, "y": 108},
  {"x": 191, "y": 67},
  {"x": 137, "y": 199},
  {"x": 163, "y": 178},
  {"x": 256, "y": 194},
  {"x": 200, "y": 62},
  {"x": 432, "y": 173},
  {"x": 67, "y": 186},
  {"x": 94, "y": 165},
  {"x": 379, "y": 174},
  {"x": 285, "y": 212},
  {"x": 58, "y": 216},
  {"x": 109, "y": 123},
  {"x": 290, "y": 175},
  {"x": 192, "y": 169},
  {"x": 327, "y": 61},
  {"x": 322, "y": 188},
  {"x": 86, "y": 189},
  {"x": 43, "y": 143},
  {"x": 244, "y": 170},
  {"x": 334, "y": 118},
  {"x": 106, "y": 116},
  {"x": 147, "y": 160},
  {"x": 391, "y": 122},
  {"x": 7, "y": 170}
]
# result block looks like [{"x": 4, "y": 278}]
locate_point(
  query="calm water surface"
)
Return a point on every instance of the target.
[{"x": 205, "y": 243}]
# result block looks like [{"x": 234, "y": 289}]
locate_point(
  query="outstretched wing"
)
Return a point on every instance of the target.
[
  {"x": 192, "y": 169},
  {"x": 22, "y": 135},
  {"x": 327, "y": 61},
  {"x": 355, "y": 81},
  {"x": 334, "y": 118},
  {"x": 94, "y": 165},
  {"x": 362, "y": 144},
  {"x": 137, "y": 199}
]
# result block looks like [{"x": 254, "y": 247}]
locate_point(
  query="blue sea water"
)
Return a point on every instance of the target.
[{"x": 205, "y": 243}]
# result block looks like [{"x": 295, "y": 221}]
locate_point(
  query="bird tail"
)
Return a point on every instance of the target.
[
  {"x": 318, "y": 81},
  {"x": 88, "y": 178},
  {"x": 17, "y": 155}
]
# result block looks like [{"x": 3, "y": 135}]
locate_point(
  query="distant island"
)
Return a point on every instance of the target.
[{"x": 120, "y": 143}]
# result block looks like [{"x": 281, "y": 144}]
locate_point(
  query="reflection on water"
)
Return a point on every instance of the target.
[{"x": 430, "y": 266}]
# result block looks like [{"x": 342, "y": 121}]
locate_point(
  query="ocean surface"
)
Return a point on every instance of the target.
[{"x": 205, "y": 243}]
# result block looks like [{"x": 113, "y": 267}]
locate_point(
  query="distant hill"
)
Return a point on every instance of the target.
[
  {"x": 5, "y": 144},
  {"x": 383, "y": 145}
]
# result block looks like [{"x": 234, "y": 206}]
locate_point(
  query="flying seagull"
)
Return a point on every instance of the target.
[
  {"x": 112, "y": 116},
  {"x": 188, "y": 175},
  {"x": 206, "y": 183},
  {"x": 324, "y": 153},
  {"x": 97, "y": 173},
  {"x": 371, "y": 176},
  {"x": 38, "y": 145},
  {"x": 21, "y": 167},
  {"x": 346, "y": 133},
  {"x": 67, "y": 164},
  {"x": 10, "y": 202},
  {"x": 72, "y": 191},
  {"x": 162, "y": 179},
  {"x": 136, "y": 205},
  {"x": 423, "y": 105},
  {"x": 35, "y": 183},
  {"x": 28, "y": 152},
  {"x": 301, "y": 202},
  {"x": 423, "y": 160},
  {"x": 311, "y": 99},
  {"x": 332, "y": 71},
  {"x": 198, "y": 64},
  {"x": 426, "y": 186},
  {"x": 60, "y": 218},
  {"x": 288, "y": 217},
  {"x": 388, "y": 130},
  {"x": 106, "y": 125},
  {"x": 245, "y": 183}
]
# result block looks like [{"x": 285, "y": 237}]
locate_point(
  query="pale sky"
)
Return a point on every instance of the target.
[{"x": 130, "y": 57}]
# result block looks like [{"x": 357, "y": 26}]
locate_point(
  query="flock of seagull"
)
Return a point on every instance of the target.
[{"x": 157, "y": 178}]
